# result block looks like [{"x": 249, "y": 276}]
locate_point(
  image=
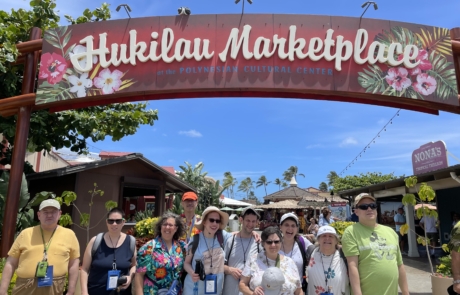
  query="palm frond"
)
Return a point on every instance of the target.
[
  {"x": 398, "y": 35},
  {"x": 444, "y": 74},
  {"x": 373, "y": 79},
  {"x": 436, "y": 40}
]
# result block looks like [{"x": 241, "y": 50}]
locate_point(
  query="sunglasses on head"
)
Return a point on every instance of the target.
[
  {"x": 112, "y": 221},
  {"x": 276, "y": 242},
  {"x": 373, "y": 206},
  {"x": 212, "y": 220}
]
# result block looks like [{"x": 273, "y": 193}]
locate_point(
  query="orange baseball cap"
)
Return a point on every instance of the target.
[{"x": 189, "y": 196}]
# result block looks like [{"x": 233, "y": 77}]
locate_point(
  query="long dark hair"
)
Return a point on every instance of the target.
[{"x": 177, "y": 220}]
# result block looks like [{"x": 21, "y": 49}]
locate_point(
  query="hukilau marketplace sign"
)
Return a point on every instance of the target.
[{"x": 372, "y": 61}]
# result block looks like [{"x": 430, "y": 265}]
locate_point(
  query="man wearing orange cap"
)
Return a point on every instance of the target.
[{"x": 189, "y": 203}]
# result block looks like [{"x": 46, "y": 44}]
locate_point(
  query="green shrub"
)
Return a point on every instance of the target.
[
  {"x": 340, "y": 226},
  {"x": 145, "y": 228},
  {"x": 13, "y": 279}
]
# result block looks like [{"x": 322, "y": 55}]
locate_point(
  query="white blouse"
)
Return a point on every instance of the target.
[{"x": 330, "y": 268}]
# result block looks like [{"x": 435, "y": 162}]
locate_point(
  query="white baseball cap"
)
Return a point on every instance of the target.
[
  {"x": 290, "y": 215},
  {"x": 49, "y": 203},
  {"x": 326, "y": 229},
  {"x": 272, "y": 281}
]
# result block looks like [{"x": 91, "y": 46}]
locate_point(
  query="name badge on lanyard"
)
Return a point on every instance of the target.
[
  {"x": 47, "y": 280},
  {"x": 210, "y": 284},
  {"x": 112, "y": 279}
]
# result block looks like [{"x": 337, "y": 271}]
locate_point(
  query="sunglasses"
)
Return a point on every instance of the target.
[
  {"x": 373, "y": 206},
  {"x": 276, "y": 242},
  {"x": 212, "y": 220},
  {"x": 117, "y": 221}
]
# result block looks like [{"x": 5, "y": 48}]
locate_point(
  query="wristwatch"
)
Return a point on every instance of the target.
[{"x": 456, "y": 282}]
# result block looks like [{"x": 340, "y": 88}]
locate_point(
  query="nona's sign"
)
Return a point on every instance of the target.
[
  {"x": 429, "y": 157},
  {"x": 302, "y": 56}
]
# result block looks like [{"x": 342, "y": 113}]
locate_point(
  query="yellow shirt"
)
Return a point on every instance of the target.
[{"x": 28, "y": 247}]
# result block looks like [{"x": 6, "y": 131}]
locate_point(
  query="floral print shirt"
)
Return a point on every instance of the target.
[
  {"x": 159, "y": 267},
  {"x": 257, "y": 265},
  {"x": 189, "y": 231}
]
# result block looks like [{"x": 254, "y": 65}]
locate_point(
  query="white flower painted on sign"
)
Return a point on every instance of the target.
[
  {"x": 107, "y": 81},
  {"x": 79, "y": 84},
  {"x": 81, "y": 60}
]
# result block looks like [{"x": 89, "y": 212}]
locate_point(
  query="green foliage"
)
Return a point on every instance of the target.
[
  {"x": 72, "y": 128},
  {"x": 363, "y": 179},
  {"x": 246, "y": 185},
  {"x": 141, "y": 215},
  {"x": 13, "y": 278},
  {"x": 323, "y": 186},
  {"x": 101, "y": 13},
  {"x": 291, "y": 172},
  {"x": 278, "y": 182},
  {"x": 230, "y": 182},
  {"x": 262, "y": 181},
  {"x": 372, "y": 79},
  {"x": 177, "y": 206},
  {"x": 145, "y": 228},
  {"x": 445, "y": 266},
  {"x": 340, "y": 226},
  {"x": 436, "y": 40},
  {"x": 445, "y": 77}
]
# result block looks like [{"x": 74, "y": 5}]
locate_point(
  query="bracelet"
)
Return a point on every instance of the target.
[{"x": 456, "y": 282}]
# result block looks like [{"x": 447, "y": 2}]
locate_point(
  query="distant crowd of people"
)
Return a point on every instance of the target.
[{"x": 194, "y": 255}]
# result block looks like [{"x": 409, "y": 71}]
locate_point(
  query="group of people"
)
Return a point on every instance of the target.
[{"x": 194, "y": 255}]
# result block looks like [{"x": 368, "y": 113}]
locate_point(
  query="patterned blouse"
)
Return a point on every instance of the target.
[
  {"x": 258, "y": 264},
  {"x": 159, "y": 267},
  {"x": 190, "y": 229}
]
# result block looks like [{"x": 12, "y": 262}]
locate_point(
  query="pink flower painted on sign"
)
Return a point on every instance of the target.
[
  {"x": 107, "y": 81},
  {"x": 52, "y": 67},
  {"x": 397, "y": 78},
  {"x": 424, "y": 65},
  {"x": 425, "y": 84}
]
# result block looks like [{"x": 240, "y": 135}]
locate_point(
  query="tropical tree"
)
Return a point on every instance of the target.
[
  {"x": 209, "y": 195},
  {"x": 291, "y": 172},
  {"x": 330, "y": 178},
  {"x": 246, "y": 185},
  {"x": 69, "y": 129},
  {"x": 284, "y": 185},
  {"x": 278, "y": 182},
  {"x": 253, "y": 197},
  {"x": 229, "y": 183},
  {"x": 193, "y": 175},
  {"x": 262, "y": 181},
  {"x": 323, "y": 186},
  {"x": 363, "y": 179}
]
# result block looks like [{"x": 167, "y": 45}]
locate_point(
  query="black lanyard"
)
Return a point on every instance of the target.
[
  {"x": 242, "y": 246},
  {"x": 46, "y": 245},
  {"x": 163, "y": 244},
  {"x": 212, "y": 247},
  {"x": 114, "y": 264},
  {"x": 326, "y": 273}
]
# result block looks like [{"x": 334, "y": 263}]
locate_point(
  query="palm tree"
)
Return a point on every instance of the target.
[
  {"x": 246, "y": 185},
  {"x": 284, "y": 185},
  {"x": 331, "y": 177},
  {"x": 291, "y": 172},
  {"x": 229, "y": 183},
  {"x": 323, "y": 186},
  {"x": 278, "y": 182},
  {"x": 263, "y": 181},
  {"x": 193, "y": 176}
]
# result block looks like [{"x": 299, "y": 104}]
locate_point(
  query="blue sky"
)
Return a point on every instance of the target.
[{"x": 254, "y": 137}]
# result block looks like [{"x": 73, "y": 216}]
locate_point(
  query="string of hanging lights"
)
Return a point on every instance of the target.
[{"x": 368, "y": 146}]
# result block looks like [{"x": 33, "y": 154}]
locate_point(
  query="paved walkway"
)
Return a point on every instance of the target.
[{"x": 418, "y": 275}]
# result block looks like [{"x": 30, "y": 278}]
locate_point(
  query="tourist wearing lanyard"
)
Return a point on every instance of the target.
[
  {"x": 210, "y": 251},
  {"x": 239, "y": 249},
  {"x": 161, "y": 260},
  {"x": 253, "y": 279},
  {"x": 189, "y": 203},
  {"x": 327, "y": 271},
  {"x": 294, "y": 244}
]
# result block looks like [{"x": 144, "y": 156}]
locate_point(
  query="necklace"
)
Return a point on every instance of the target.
[
  {"x": 277, "y": 262},
  {"x": 327, "y": 273},
  {"x": 244, "y": 250}
]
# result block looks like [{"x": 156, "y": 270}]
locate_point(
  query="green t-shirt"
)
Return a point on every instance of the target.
[
  {"x": 454, "y": 243},
  {"x": 378, "y": 257}
]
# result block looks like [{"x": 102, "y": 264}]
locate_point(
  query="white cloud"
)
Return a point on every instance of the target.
[
  {"x": 164, "y": 134},
  {"x": 191, "y": 133},
  {"x": 348, "y": 141}
]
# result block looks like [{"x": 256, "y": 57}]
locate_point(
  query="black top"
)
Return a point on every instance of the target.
[{"x": 102, "y": 262}]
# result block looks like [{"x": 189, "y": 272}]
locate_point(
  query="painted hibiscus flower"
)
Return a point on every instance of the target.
[
  {"x": 52, "y": 67},
  {"x": 82, "y": 59},
  {"x": 425, "y": 84},
  {"x": 107, "y": 81},
  {"x": 397, "y": 78},
  {"x": 424, "y": 65},
  {"x": 79, "y": 85}
]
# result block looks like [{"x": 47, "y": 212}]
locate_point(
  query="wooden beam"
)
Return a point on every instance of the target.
[{"x": 30, "y": 46}]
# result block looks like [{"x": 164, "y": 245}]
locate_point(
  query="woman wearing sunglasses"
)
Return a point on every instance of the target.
[
  {"x": 114, "y": 252},
  {"x": 210, "y": 251},
  {"x": 251, "y": 278},
  {"x": 160, "y": 261}
]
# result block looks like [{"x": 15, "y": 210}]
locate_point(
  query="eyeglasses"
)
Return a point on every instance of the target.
[
  {"x": 117, "y": 221},
  {"x": 373, "y": 206},
  {"x": 212, "y": 220},
  {"x": 276, "y": 242},
  {"x": 168, "y": 225}
]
